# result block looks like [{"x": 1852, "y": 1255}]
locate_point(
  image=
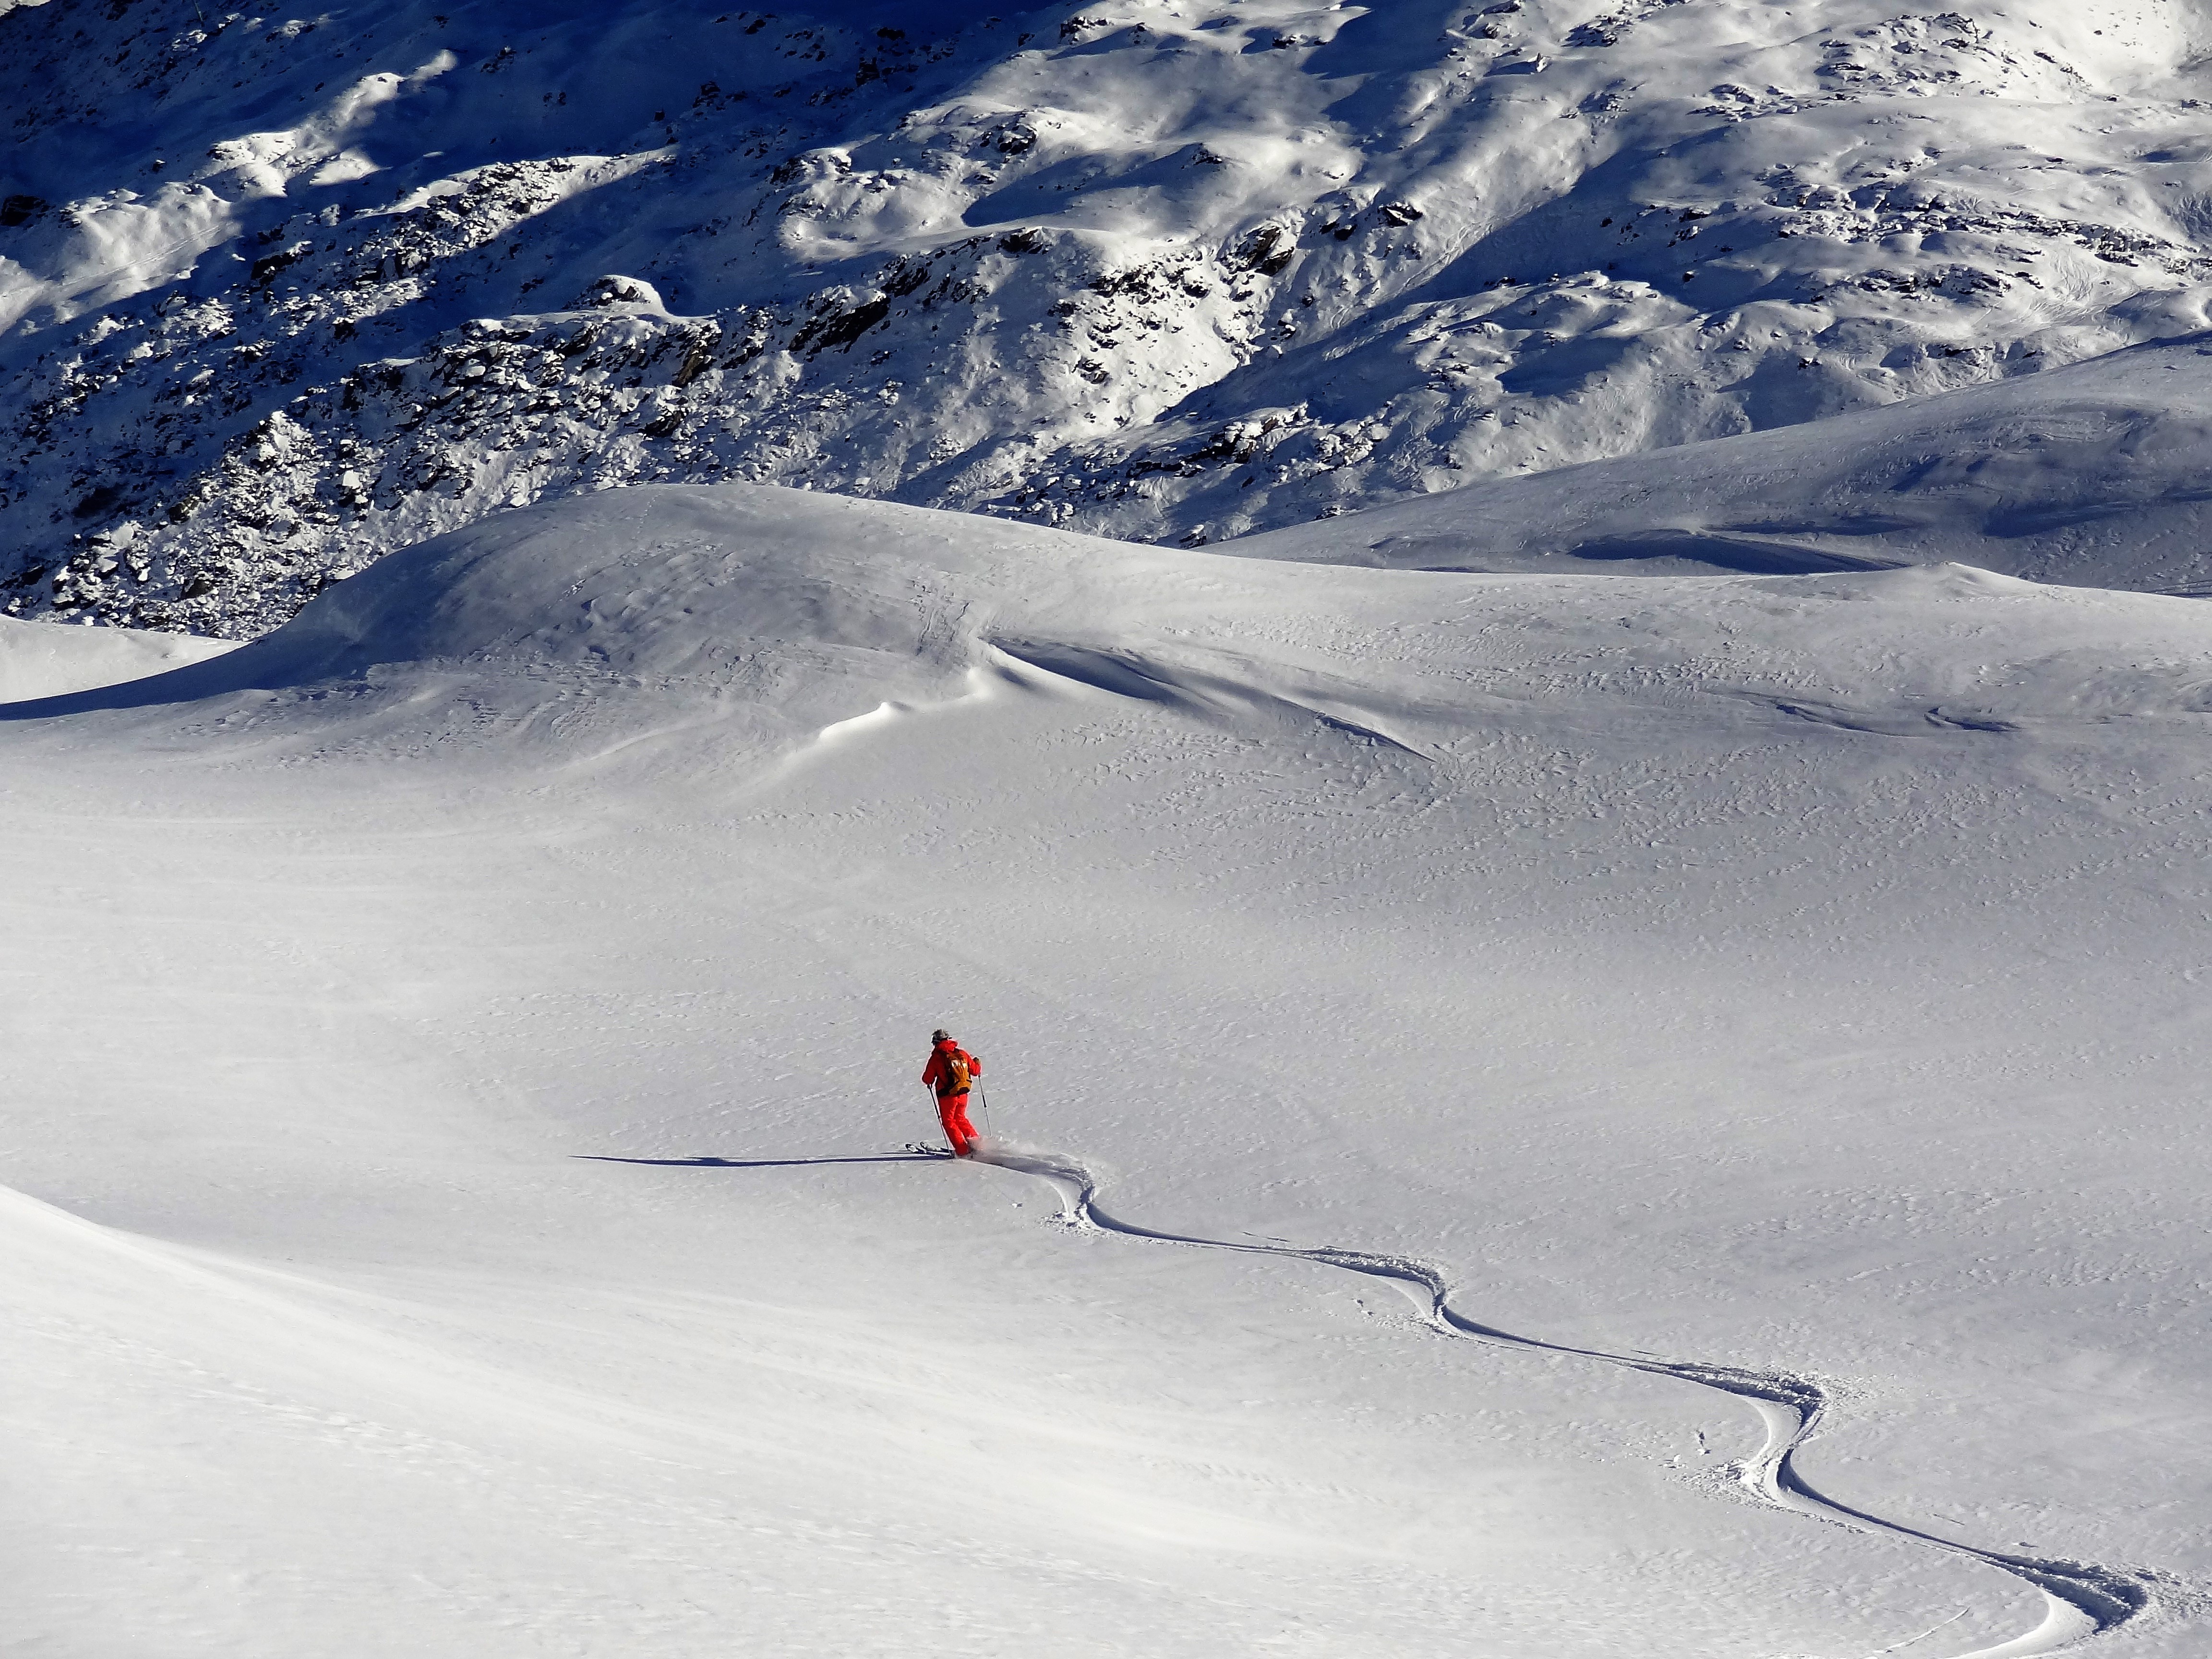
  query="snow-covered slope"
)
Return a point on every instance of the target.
[
  {"x": 37, "y": 661},
  {"x": 280, "y": 294},
  {"x": 2093, "y": 474},
  {"x": 457, "y": 1106}
]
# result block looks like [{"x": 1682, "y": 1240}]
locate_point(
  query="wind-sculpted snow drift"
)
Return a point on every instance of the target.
[
  {"x": 780, "y": 608},
  {"x": 1780, "y": 971},
  {"x": 277, "y": 297},
  {"x": 37, "y": 661}
]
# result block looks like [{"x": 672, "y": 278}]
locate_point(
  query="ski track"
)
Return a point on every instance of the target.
[{"x": 2082, "y": 1600}]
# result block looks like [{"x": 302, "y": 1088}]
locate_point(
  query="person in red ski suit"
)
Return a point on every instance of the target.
[{"x": 942, "y": 1075}]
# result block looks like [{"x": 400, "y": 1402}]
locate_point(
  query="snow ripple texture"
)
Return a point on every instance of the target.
[
  {"x": 2083, "y": 1599},
  {"x": 279, "y": 296}
]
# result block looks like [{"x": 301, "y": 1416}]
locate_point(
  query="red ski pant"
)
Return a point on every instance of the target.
[{"x": 953, "y": 1112}]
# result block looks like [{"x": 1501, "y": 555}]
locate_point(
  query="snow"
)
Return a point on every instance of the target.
[
  {"x": 458, "y": 1093},
  {"x": 2089, "y": 474},
  {"x": 280, "y": 295},
  {"x": 38, "y": 661}
]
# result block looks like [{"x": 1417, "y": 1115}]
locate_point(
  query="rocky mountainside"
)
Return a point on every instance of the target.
[{"x": 278, "y": 295}]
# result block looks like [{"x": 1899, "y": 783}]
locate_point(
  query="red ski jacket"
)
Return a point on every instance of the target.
[{"x": 937, "y": 1074}]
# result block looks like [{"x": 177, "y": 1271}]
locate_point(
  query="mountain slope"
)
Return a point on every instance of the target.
[
  {"x": 2091, "y": 474},
  {"x": 458, "y": 1108},
  {"x": 280, "y": 296}
]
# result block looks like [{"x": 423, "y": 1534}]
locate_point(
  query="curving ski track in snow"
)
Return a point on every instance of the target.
[{"x": 2082, "y": 1600}]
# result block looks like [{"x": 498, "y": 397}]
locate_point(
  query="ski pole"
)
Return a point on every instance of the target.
[
  {"x": 932, "y": 1096},
  {"x": 983, "y": 1099}
]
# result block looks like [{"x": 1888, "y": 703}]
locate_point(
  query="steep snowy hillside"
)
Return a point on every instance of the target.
[
  {"x": 454, "y": 1197},
  {"x": 281, "y": 293}
]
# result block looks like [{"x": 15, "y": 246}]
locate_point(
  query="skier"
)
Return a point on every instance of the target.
[{"x": 949, "y": 1072}]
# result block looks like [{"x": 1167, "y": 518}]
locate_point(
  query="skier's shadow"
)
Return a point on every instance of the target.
[{"x": 759, "y": 1163}]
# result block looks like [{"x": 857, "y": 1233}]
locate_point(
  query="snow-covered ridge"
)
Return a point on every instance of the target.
[
  {"x": 794, "y": 615},
  {"x": 281, "y": 295},
  {"x": 50, "y": 662},
  {"x": 2090, "y": 474}
]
